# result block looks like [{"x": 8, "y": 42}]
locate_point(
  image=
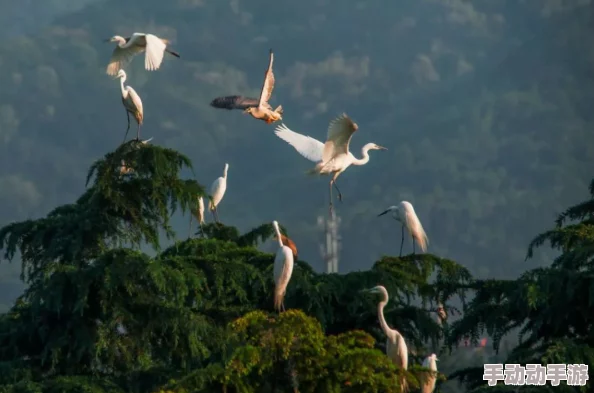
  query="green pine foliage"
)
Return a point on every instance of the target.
[
  {"x": 551, "y": 307},
  {"x": 99, "y": 315}
]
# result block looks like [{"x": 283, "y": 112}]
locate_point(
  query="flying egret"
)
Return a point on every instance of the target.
[
  {"x": 132, "y": 103},
  {"x": 428, "y": 381},
  {"x": 129, "y": 47},
  {"x": 199, "y": 216},
  {"x": 258, "y": 108},
  {"x": 283, "y": 268},
  {"x": 332, "y": 157},
  {"x": 396, "y": 348},
  {"x": 217, "y": 191},
  {"x": 289, "y": 243},
  {"x": 405, "y": 214}
]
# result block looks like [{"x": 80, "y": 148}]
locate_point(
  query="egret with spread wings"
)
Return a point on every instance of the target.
[
  {"x": 258, "y": 108},
  {"x": 132, "y": 103},
  {"x": 283, "y": 268},
  {"x": 405, "y": 214},
  {"x": 332, "y": 157},
  {"x": 129, "y": 47}
]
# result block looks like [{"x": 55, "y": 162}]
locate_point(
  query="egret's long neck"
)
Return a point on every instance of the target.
[
  {"x": 365, "y": 159},
  {"x": 380, "y": 312},
  {"x": 225, "y": 173},
  {"x": 278, "y": 236},
  {"x": 124, "y": 92}
]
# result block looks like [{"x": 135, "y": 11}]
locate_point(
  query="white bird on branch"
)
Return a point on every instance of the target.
[
  {"x": 332, "y": 157},
  {"x": 199, "y": 216},
  {"x": 396, "y": 348},
  {"x": 217, "y": 192},
  {"x": 428, "y": 380},
  {"x": 283, "y": 268},
  {"x": 132, "y": 104},
  {"x": 129, "y": 47},
  {"x": 405, "y": 214}
]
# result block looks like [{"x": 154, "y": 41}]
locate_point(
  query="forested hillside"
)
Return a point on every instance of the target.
[{"x": 484, "y": 107}]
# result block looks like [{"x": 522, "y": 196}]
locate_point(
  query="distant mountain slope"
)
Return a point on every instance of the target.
[{"x": 488, "y": 147}]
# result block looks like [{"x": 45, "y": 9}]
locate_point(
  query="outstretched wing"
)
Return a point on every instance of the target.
[
  {"x": 234, "y": 102},
  {"x": 121, "y": 57},
  {"x": 307, "y": 146},
  {"x": 155, "y": 49},
  {"x": 340, "y": 132},
  {"x": 268, "y": 85}
]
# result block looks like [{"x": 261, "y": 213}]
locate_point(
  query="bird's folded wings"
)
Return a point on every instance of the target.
[
  {"x": 121, "y": 57},
  {"x": 308, "y": 147},
  {"x": 340, "y": 132}
]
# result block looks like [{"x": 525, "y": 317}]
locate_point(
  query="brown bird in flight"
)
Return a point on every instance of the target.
[{"x": 258, "y": 108}]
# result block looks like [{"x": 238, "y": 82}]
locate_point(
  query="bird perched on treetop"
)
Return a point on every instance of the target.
[
  {"x": 396, "y": 348},
  {"x": 217, "y": 192},
  {"x": 332, "y": 157},
  {"x": 132, "y": 103},
  {"x": 428, "y": 380},
  {"x": 258, "y": 108},
  {"x": 129, "y": 47},
  {"x": 283, "y": 269},
  {"x": 405, "y": 214}
]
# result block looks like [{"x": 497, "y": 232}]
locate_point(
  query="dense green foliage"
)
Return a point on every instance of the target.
[
  {"x": 552, "y": 306},
  {"x": 197, "y": 316}
]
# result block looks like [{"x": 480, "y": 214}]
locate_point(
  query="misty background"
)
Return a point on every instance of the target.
[{"x": 485, "y": 108}]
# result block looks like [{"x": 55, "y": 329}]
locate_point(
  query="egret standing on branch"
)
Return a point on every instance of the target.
[
  {"x": 396, "y": 348},
  {"x": 129, "y": 47},
  {"x": 283, "y": 268},
  {"x": 199, "y": 216},
  {"x": 428, "y": 381},
  {"x": 405, "y": 214},
  {"x": 332, "y": 157},
  {"x": 132, "y": 103},
  {"x": 258, "y": 108},
  {"x": 217, "y": 192}
]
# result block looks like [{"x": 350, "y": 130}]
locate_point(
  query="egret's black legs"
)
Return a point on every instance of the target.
[
  {"x": 138, "y": 132},
  {"x": 127, "y": 129},
  {"x": 339, "y": 193}
]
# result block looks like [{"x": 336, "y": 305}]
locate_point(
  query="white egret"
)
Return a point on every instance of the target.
[
  {"x": 132, "y": 103},
  {"x": 332, "y": 157},
  {"x": 283, "y": 268},
  {"x": 258, "y": 108},
  {"x": 405, "y": 214},
  {"x": 129, "y": 47},
  {"x": 428, "y": 380},
  {"x": 217, "y": 191},
  {"x": 199, "y": 216},
  {"x": 396, "y": 348}
]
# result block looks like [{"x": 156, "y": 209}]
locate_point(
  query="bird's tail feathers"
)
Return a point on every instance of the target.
[
  {"x": 279, "y": 109},
  {"x": 172, "y": 52},
  {"x": 279, "y": 295},
  {"x": 422, "y": 239}
]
